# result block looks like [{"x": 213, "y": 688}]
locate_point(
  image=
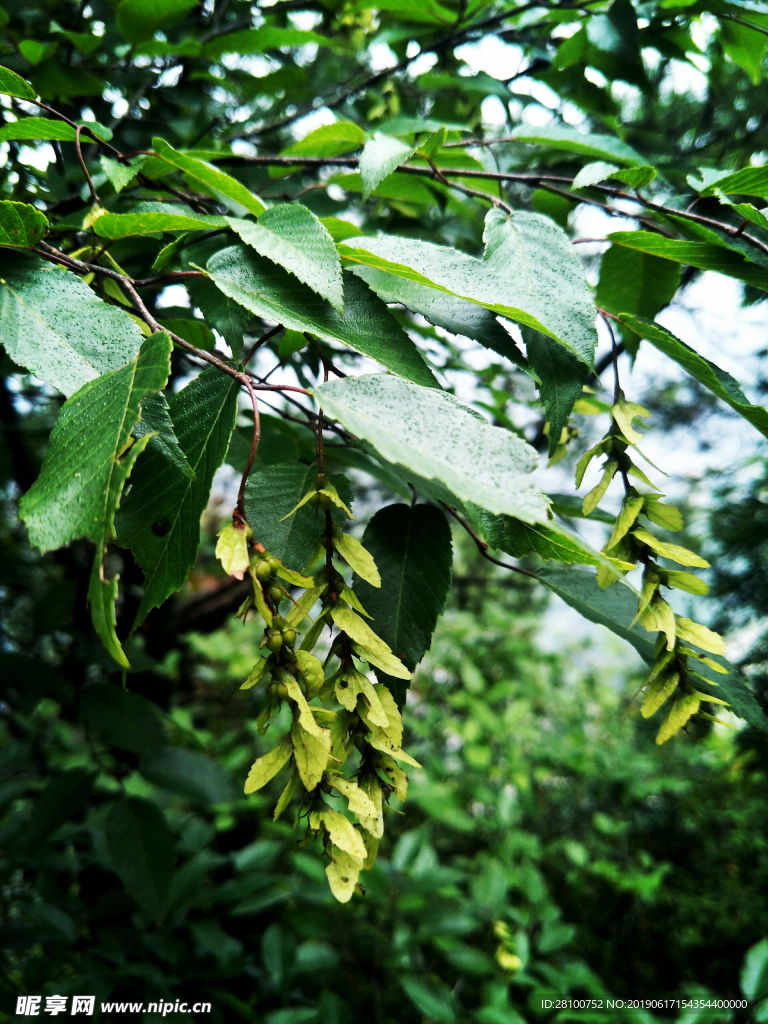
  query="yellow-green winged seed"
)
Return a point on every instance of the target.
[
  {"x": 311, "y": 753},
  {"x": 265, "y": 768},
  {"x": 343, "y": 873},
  {"x": 359, "y": 560},
  {"x": 657, "y": 692},
  {"x": 697, "y": 634},
  {"x": 677, "y": 716}
]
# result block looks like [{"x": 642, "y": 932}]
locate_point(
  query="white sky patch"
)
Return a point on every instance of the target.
[
  {"x": 308, "y": 123},
  {"x": 38, "y": 156},
  {"x": 380, "y": 57},
  {"x": 493, "y": 56},
  {"x": 422, "y": 65},
  {"x": 682, "y": 77},
  {"x": 493, "y": 112}
]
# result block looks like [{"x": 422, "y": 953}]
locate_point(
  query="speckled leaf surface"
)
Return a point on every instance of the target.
[
  {"x": 366, "y": 326},
  {"x": 382, "y": 155},
  {"x": 528, "y": 273},
  {"x": 40, "y": 333},
  {"x": 437, "y": 437},
  {"x": 291, "y": 235}
]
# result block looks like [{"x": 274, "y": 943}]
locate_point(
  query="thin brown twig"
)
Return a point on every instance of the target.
[
  {"x": 257, "y": 345},
  {"x": 252, "y": 455},
  {"x": 94, "y": 194},
  {"x": 482, "y": 547}
]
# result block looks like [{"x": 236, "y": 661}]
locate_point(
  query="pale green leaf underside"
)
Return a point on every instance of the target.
[
  {"x": 41, "y": 334},
  {"x": 439, "y": 438},
  {"x": 160, "y": 519},
  {"x": 381, "y": 155},
  {"x": 616, "y": 608},
  {"x": 529, "y": 274},
  {"x": 366, "y": 326},
  {"x": 292, "y": 236},
  {"x": 606, "y": 147},
  {"x": 710, "y": 375}
]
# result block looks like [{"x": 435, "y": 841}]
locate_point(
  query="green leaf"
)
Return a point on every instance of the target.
[
  {"x": 635, "y": 282},
  {"x": 41, "y": 334},
  {"x": 86, "y": 467},
  {"x": 412, "y": 549},
  {"x": 12, "y": 85},
  {"x": 62, "y": 798},
  {"x": 270, "y": 494},
  {"x": 188, "y": 773},
  {"x": 156, "y": 421},
  {"x": 154, "y": 217},
  {"x": 44, "y": 128},
  {"x": 227, "y": 316},
  {"x": 711, "y": 376},
  {"x": 616, "y": 609},
  {"x": 71, "y": 497},
  {"x": 745, "y": 46},
  {"x": 221, "y": 185},
  {"x": 160, "y": 519},
  {"x": 443, "y": 310},
  {"x": 367, "y": 326},
  {"x": 437, "y": 437},
  {"x": 432, "y": 998},
  {"x": 562, "y": 377},
  {"x": 291, "y": 235},
  {"x": 546, "y": 539},
  {"x": 606, "y": 147},
  {"x": 266, "y": 37},
  {"x": 21, "y": 225},
  {"x": 195, "y": 331},
  {"x": 139, "y": 19},
  {"x": 746, "y": 210},
  {"x": 143, "y": 854},
  {"x": 264, "y": 769},
  {"x": 754, "y": 973},
  {"x": 528, "y": 273},
  {"x": 329, "y": 140},
  {"x": 120, "y": 175},
  {"x": 381, "y": 155},
  {"x": 750, "y": 181},
  {"x": 703, "y": 255},
  {"x": 121, "y": 718}
]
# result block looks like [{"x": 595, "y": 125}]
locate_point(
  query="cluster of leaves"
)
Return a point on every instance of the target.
[{"x": 134, "y": 213}]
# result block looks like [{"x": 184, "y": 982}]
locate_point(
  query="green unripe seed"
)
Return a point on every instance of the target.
[
  {"x": 274, "y": 563},
  {"x": 263, "y": 571},
  {"x": 276, "y": 593},
  {"x": 277, "y": 691},
  {"x": 278, "y": 622},
  {"x": 289, "y": 636},
  {"x": 324, "y": 501},
  {"x": 321, "y": 481},
  {"x": 274, "y": 642}
]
